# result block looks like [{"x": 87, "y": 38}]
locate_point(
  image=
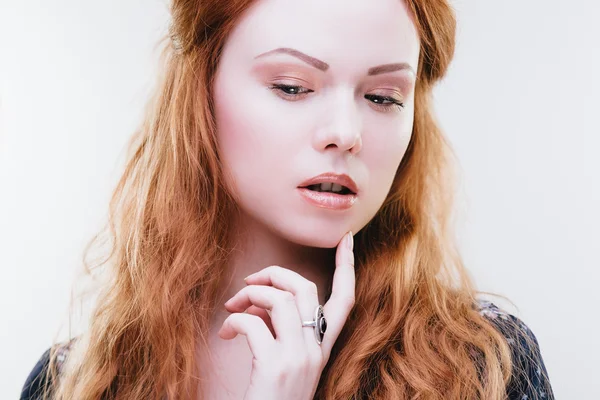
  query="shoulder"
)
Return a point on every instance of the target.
[
  {"x": 40, "y": 377},
  {"x": 529, "y": 377}
]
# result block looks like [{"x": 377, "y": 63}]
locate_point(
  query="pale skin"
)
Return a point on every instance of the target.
[{"x": 337, "y": 111}]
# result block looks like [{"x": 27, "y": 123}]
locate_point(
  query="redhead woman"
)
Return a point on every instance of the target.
[{"x": 282, "y": 227}]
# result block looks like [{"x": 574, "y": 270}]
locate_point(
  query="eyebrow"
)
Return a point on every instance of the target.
[{"x": 323, "y": 66}]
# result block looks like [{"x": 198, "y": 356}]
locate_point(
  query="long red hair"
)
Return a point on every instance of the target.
[{"x": 414, "y": 332}]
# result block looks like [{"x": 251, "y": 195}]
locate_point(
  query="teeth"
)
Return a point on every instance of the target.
[
  {"x": 329, "y": 187},
  {"x": 336, "y": 188},
  {"x": 326, "y": 187}
]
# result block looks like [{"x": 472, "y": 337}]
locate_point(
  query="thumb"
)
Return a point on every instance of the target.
[
  {"x": 264, "y": 315},
  {"x": 341, "y": 301}
]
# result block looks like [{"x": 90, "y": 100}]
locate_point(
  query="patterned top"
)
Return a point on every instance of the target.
[{"x": 529, "y": 381}]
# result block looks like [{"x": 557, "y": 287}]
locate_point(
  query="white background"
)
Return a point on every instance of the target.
[{"x": 517, "y": 106}]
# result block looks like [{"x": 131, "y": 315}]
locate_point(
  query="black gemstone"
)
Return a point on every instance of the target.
[{"x": 323, "y": 325}]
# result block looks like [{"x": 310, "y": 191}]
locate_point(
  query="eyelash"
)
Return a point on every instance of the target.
[{"x": 386, "y": 107}]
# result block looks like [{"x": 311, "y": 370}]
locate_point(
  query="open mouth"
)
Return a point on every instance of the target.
[{"x": 330, "y": 188}]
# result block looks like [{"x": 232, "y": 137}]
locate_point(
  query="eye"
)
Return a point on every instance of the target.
[
  {"x": 290, "y": 92},
  {"x": 385, "y": 102}
]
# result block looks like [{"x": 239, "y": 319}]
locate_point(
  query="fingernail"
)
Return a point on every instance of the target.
[
  {"x": 350, "y": 241},
  {"x": 249, "y": 276}
]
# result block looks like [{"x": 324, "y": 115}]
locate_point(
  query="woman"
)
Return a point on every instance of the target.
[{"x": 294, "y": 140}]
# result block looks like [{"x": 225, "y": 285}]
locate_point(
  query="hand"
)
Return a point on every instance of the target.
[{"x": 288, "y": 361}]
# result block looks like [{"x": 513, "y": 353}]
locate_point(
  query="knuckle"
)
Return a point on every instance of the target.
[
  {"x": 311, "y": 288},
  {"x": 274, "y": 269},
  {"x": 274, "y": 272},
  {"x": 288, "y": 297}
]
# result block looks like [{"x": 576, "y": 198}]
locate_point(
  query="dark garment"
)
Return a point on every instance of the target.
[
  {"x": 529, "y": 381},
  {"x": 36, "y": 381},
  {"x": 529, "y": 378}
]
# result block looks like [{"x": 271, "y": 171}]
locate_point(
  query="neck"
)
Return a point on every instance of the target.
[{"x": 257, "y": 247}]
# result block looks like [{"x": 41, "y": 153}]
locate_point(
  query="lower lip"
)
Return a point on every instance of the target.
[{"x": 328, "y": 200}]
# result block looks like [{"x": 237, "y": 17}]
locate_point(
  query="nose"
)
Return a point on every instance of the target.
[{"x": 342, "y": 125}]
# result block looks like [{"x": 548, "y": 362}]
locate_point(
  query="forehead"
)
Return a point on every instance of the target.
[{"x": 347, "y": 34}]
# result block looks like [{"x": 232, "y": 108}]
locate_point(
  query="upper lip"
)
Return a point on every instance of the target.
[{"x": 340, "y": 179}]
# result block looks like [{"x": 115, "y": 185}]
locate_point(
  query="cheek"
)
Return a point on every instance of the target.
[
  {"x": 239, "y": 132},
  {"x": 382, "y": 154},
  {"x": 244, "y": 136},
  {"x": 255, "y": 138}
]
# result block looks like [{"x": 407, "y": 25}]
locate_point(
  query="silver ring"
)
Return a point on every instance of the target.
[{"x": 319, "y": 324}]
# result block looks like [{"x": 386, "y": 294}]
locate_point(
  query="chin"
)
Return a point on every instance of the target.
[{"x": 320, "y": 238}]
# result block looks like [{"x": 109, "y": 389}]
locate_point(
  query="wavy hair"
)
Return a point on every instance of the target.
[{"x": 414, "y": 332}]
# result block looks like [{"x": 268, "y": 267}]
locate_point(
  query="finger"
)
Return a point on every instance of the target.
[
  {"x": 281, "y": 304},
  {"x": 264, "y": 315},
  {"x": 341, "y": 301},
  {"x": 260, "y": 340},
  {"x": 304, "y": 290}
]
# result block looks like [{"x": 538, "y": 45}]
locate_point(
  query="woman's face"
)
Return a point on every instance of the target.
[{"x": 309, "y": 87}]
